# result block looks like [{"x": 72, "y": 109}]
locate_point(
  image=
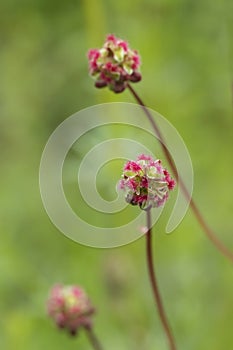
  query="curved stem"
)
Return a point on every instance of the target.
[
  {"x": 93, "y": 339},
  {"x": 154, "y": 284},
  {"x": 208, "y": 231}
]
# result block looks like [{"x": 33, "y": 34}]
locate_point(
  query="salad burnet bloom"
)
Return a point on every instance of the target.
[
  {"x": 114, "y": 64},
  {"x": 70, "y": 308},
  {"x": 146, "y": 182}
]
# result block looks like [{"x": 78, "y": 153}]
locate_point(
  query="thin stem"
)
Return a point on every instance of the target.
[
  {"x": 208, "y": 231},
  {"x": 154, "y": 284},
  {"x": 93, "y": 339}
]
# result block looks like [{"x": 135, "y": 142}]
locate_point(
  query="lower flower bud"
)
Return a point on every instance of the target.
[{"x": 70, "y": 308}]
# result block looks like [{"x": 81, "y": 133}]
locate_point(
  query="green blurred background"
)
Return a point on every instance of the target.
[{"x": 186, "y": 51}]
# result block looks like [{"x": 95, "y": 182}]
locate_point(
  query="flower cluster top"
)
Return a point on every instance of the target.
[
  {"x": 146, "y": 182},
  {"x": 114, "y": 64},
  {"x": 70, "y": 308}
]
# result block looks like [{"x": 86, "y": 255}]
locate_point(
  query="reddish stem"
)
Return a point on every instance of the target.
[
  {"x": 154, "y": 284},
  {"x": 93, "y": 339},
  {"x": 208, "y": 231}
]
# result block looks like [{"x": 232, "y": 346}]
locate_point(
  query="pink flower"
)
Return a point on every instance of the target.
[
  {"x": 146, "y": 182},
  {"x": 132, "y": 166},
  {"x": 145, "y": 157},
  {"x": 114, "y": 64},
  {"x": 170, "y": 181},
  {"x": 70, "y": 308}
]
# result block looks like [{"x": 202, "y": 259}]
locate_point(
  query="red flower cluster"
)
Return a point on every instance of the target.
[
  {"x": 70, "y": 308},
  {"x": 114, "y": 64},
  {"x": 146, "y": 182}
]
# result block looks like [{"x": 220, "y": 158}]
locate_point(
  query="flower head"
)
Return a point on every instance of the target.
[
  {"x": 146, "y": 182},
  {"x": 114, "y": 64},
  {"x": 70, "y": 308}
]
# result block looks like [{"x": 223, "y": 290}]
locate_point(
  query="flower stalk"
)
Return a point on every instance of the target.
[
  {"x": 94, "y": 341},
  {"x": 207, "y": 230},
  {"x": 147, "y": 184},
  {"x": 154, "y": 285}
]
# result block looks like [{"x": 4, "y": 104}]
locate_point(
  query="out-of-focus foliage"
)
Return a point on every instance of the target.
[{"x": 186, "y": 51}]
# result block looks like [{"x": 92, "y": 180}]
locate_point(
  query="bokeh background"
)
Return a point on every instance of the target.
[{"x": 186, "y": 51}]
